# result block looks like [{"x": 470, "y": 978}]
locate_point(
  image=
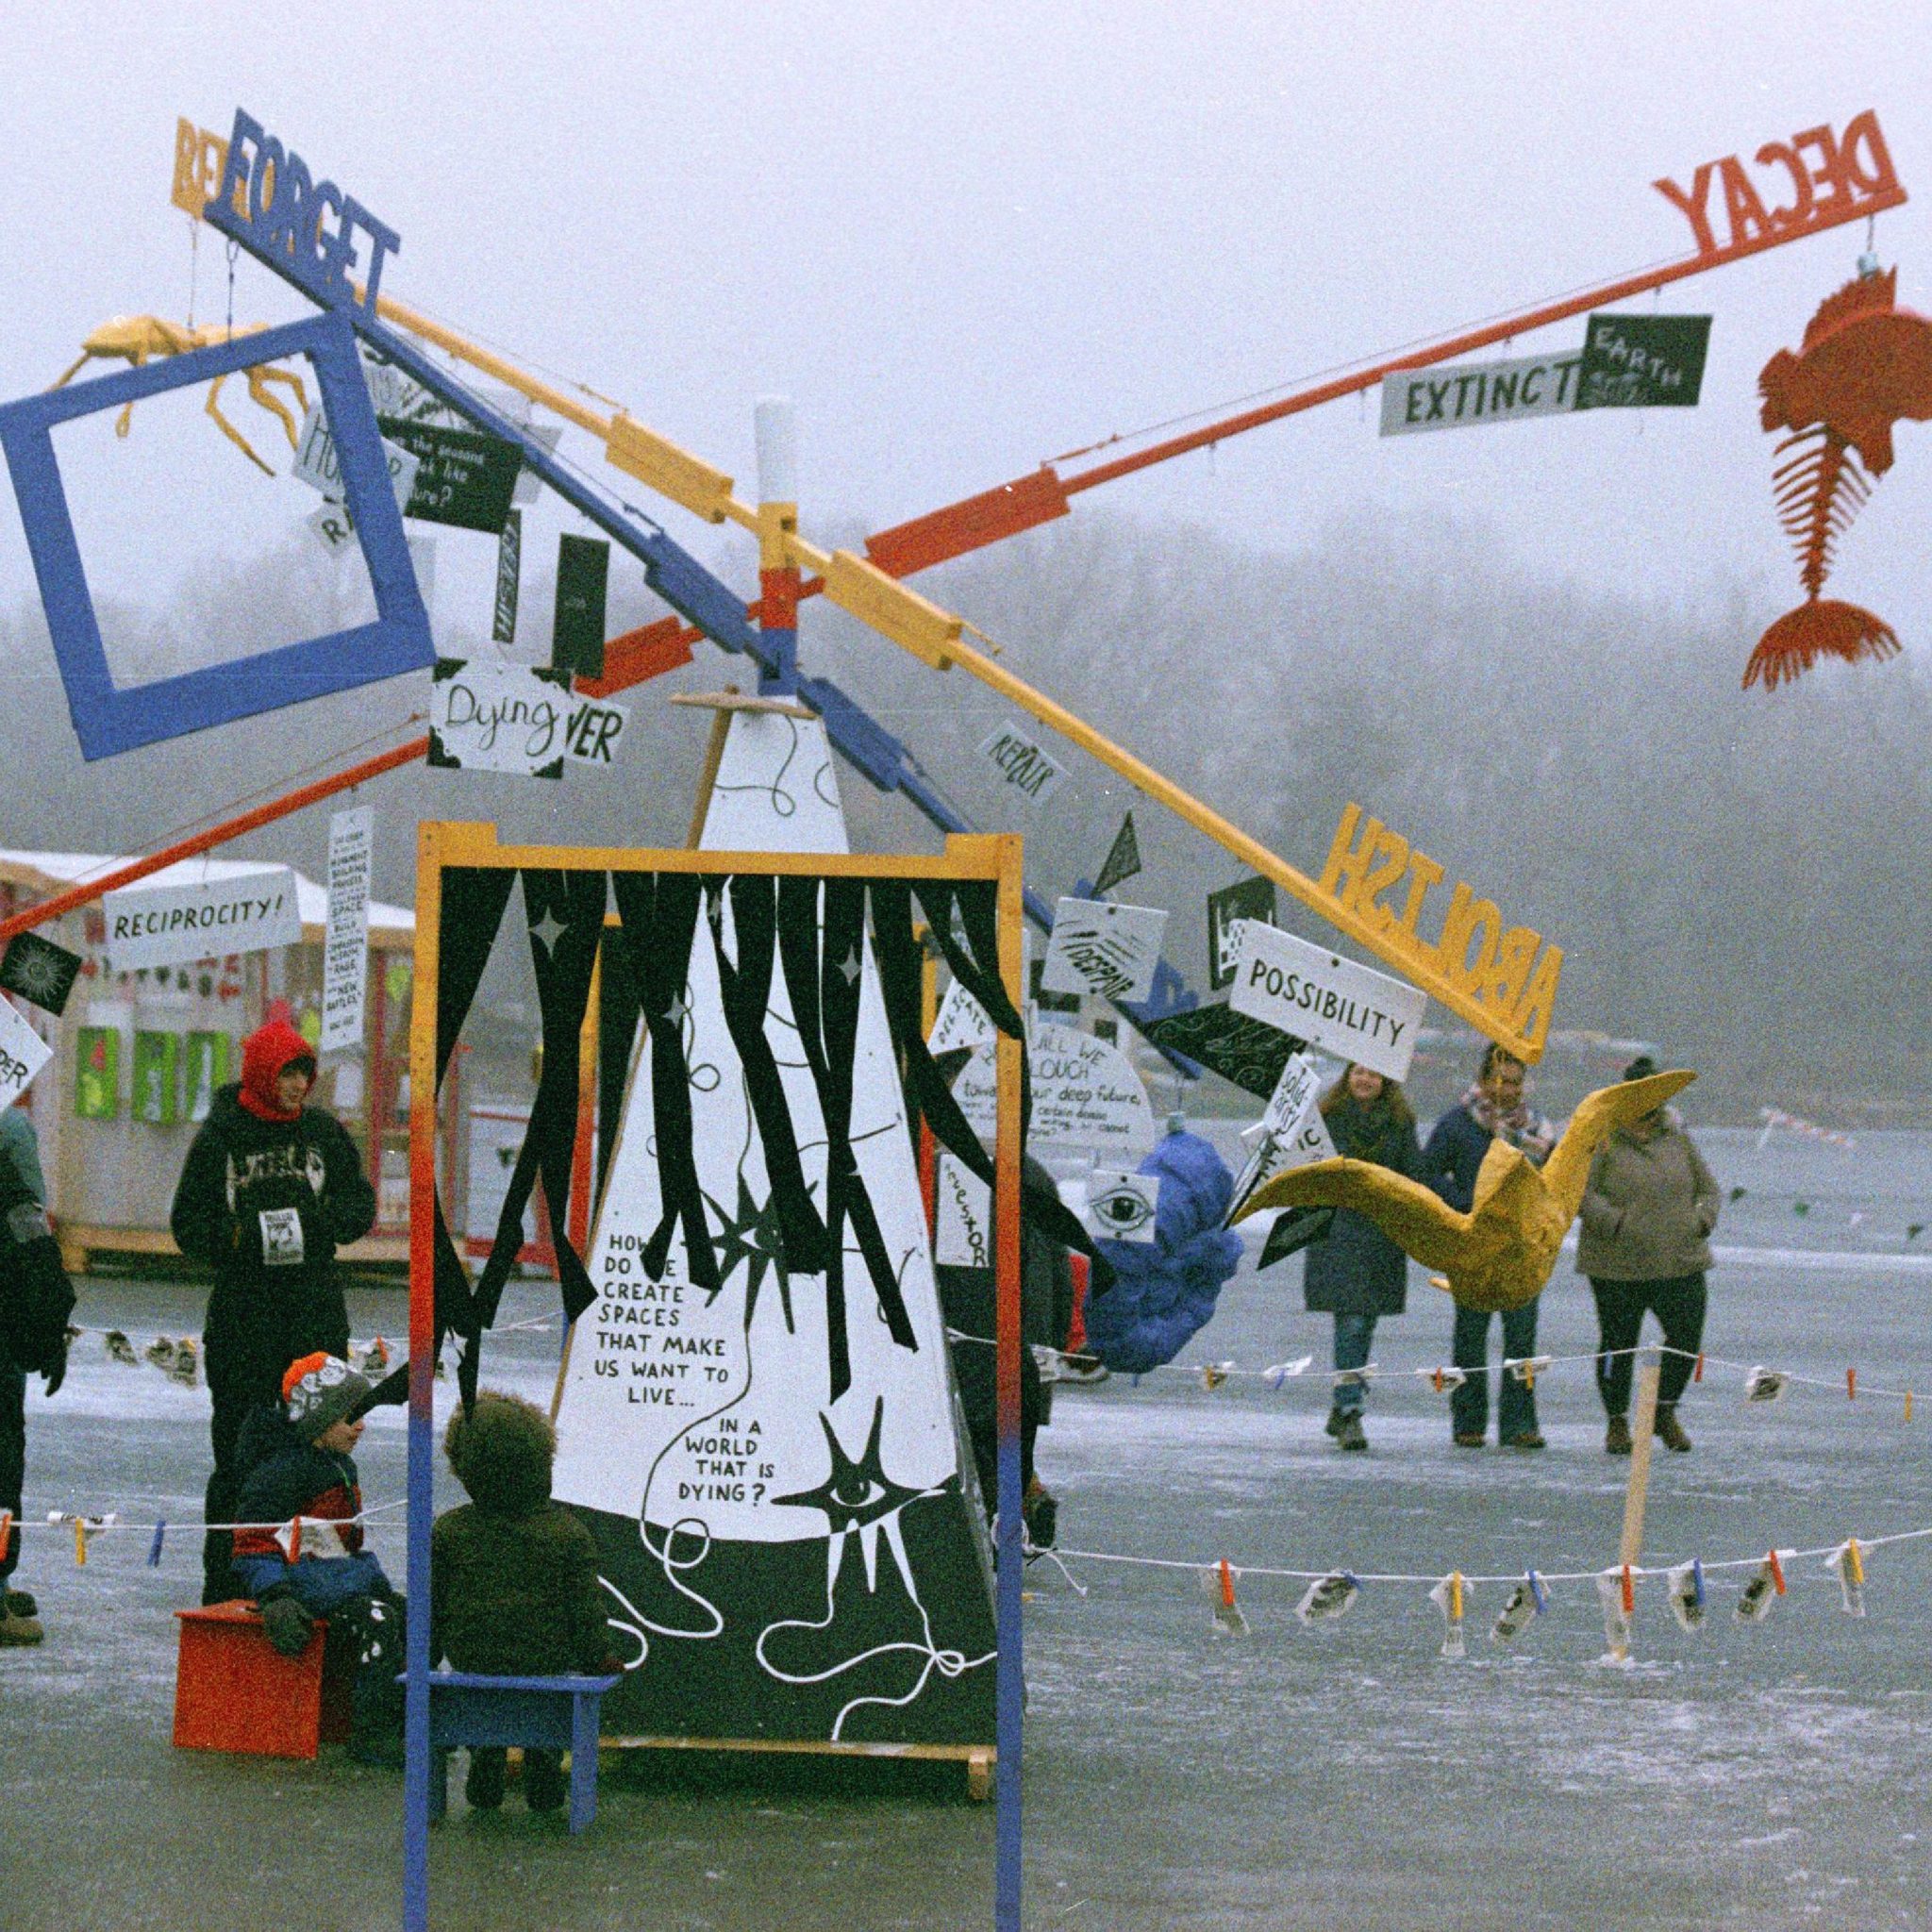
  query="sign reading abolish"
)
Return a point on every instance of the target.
[
  {"x": 1316, "y": 995},
  {"x": 1475, "y": 955},
  {"x": 1829, "y": 179},
  {"x": 164, "y": 925}
]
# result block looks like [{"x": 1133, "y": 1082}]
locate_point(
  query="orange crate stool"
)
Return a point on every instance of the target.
[{"x": 234, "y": 1690}]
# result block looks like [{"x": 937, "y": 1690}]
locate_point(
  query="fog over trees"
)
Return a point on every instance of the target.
[{"x": 1740, "y": 878}]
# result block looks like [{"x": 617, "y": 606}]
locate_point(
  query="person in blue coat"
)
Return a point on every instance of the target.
[
  {"x": 1355, "y": 1272},
  {"x": 1495, "y": 1107}
]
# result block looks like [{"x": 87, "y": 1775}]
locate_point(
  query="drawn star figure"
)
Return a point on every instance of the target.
[
  {"x": 858, "y": 1496},
  {"x": 754, "y": 1236},
  {"x": 546, "y": 930},
  {"x": 849, "y": 965}
]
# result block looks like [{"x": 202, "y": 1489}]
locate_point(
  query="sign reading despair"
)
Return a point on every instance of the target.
[
  {"x": 1104, "y": 949},
  {"x": 1316, "y": 995},
  {"x": 164, "y": 925}
]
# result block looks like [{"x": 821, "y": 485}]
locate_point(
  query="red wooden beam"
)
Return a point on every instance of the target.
[{"x": 87, "y": 892}]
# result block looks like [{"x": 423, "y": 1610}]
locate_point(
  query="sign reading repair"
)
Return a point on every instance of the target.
[
  {"x": 164, "y": 925},
  {"x": 1098, "y": 947},
  {"x": 1318, "y": 995},
  {"x": 1022, "y": 765}
]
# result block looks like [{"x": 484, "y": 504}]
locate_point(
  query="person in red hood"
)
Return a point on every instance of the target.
[{"x": 270, "y": 1187}]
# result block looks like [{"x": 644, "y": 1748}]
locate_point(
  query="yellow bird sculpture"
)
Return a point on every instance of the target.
[{"x": 1499, "y": 1255}]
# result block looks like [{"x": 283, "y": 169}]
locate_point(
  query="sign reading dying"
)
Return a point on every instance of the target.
[{"x": 1474, "y": 953}]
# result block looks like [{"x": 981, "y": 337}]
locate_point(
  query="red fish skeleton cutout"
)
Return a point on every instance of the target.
[{"x": 1865, "y": 364}]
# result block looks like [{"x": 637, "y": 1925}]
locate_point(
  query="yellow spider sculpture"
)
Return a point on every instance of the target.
[{"x": 134, "y": 339}]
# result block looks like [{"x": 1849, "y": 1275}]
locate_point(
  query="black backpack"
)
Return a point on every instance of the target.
[{"x": 35, "y": 1297}]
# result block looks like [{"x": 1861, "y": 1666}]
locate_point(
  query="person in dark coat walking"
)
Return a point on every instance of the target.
[
  {"x": 1493, "y": 1107},
  {"x": 271, "y": 1188},
  {"x": 514, "y": 1584},
  {"x": 1355, "y": 1272},
  {"x": 1647, "y": 1216}
]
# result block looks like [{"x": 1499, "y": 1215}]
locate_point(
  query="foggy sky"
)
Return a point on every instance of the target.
[{"x": 964, "y": 238}]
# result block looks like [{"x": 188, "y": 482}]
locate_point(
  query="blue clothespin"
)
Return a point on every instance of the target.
[
  {"x": 154, "y": 1549},
  {"x": 1539, "y": 1593},
  {"x": 1697, "y": 1581}
]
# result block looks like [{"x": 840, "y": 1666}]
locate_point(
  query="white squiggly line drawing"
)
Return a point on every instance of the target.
[{"x": 783, "y": 802}]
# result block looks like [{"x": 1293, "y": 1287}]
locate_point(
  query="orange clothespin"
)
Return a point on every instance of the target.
[
  {"x": 1909, "y": 1404},
  {"x": 1852, "y": 1385},
  {"x": 1629, "y": 1592},
  {"x": 1777, "y": 1572},
  {"x": 6, "y": 1531},
  {"x": 1697, "y": 1373},
  {"x": 1229, "y": 1620}
]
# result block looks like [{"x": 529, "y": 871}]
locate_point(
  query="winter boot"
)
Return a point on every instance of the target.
[
  {"x": 1336, "y": 1419},
  {"x": 1041, "y": 1512},
  {"x": 1350, "y": 1435},
  {"x": 20, "y": 1619},
  {"x": 1617, "y": 1437},
  {"x": 1670, "y": 1431},
  {"x": 483, "y": 1785},
  {"x": 544, "y": 1785}
]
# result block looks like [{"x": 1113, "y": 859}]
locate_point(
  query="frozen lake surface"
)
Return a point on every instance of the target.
[{"x": 1766, "y": 1776}]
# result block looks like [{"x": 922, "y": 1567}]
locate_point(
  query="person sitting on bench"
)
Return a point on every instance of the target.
[
  {"x": 303, "y": 1557},
  {"x": 515, "y": 1577}
]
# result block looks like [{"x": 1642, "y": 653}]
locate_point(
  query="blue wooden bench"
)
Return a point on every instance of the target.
[{"x": 543, "y": 1713}]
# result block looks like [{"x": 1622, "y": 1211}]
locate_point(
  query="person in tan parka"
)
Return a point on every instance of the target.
[{"x": 1648, "y": 1211}]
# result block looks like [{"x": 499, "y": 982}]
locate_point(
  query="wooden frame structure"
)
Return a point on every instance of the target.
[{"x": 442, "y": 846}]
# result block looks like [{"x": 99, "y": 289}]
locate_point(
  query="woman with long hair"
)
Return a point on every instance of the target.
[{"x": 1355, "y": 1272}]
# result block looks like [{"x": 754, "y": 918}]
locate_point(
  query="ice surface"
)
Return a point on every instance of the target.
[{"x": 1767, "y": 1776}]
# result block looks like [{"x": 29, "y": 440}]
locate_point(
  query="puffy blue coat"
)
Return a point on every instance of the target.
[{"x": 1165, "y": 1290}]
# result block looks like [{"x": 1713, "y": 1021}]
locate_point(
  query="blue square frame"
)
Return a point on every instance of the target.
[{"x": 107, "y": 719}]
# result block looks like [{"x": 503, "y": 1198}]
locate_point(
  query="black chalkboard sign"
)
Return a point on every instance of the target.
[
  {"x": 1643, "y": 362},
  {"x": 583, "y": 572},
  {"x": 466, "y": 479}
]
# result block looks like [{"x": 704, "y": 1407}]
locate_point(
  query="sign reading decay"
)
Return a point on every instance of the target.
[
  {"x": 1826, "y": 177},
  {"x": 1104, "y": 949},
  {"x": 1496, "y": 966},
  {"x": 345, "y": 936},
  {"x": 1316, "y": 995},
  {"x": 162, "y": 925},
  {"x": 23, "y": 1054}
]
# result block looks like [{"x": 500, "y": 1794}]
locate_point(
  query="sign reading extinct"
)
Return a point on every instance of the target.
[
  {"x": 1316, "y": 995},
  {"x": 164, "y": 925},
  {"x": 1418, "y": 399}
]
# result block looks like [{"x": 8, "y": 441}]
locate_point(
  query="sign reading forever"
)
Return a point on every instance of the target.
[
  {"x": 1316, "y": 995},
  {"x": 23, "y": 1054},
  {"x": 1105, "y": 949},
  {"x": 162, "y": 925},
  {"x": 1475, "y": 954}
]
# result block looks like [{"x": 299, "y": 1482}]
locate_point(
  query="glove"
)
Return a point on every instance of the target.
[
  {"x": 53, "y": 1371},
  {"x": 287, "y": 1625}
]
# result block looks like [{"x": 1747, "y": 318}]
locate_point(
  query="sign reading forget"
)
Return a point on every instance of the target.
[
  {"x": 164, "y": 925},
  {"x": 1315, "y": 995}
]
